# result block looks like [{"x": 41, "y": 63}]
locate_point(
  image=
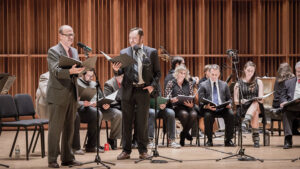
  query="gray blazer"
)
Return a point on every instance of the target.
[
  {"x": 289, "y": 90},
  {"x": 205, "y": 91},
  {"x": 60, "y": 85}
]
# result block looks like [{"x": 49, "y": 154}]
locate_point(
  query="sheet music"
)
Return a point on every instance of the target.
[
  {"x": 223, "y": 105},
  {"x": 6, "y": 82},
  {"x": 112, "y": 96},
  {"x": 87, "y": 94},
  {"x": 263, "y": 97}
]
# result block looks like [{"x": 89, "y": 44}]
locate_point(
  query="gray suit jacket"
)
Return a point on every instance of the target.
[
  {"x": 111, "y": 86},
  {"x": 60, "y": 85},
  {"x": 289, "y": 90},
  {"x": 205, "y": 91},
  {"x": 151, "y": 69}
]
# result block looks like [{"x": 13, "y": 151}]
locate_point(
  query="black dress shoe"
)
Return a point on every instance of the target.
[
  {"x": 53, "y": 165},
  {"x": 209, "y": 143},
  {"x": 229, "y": 143},
  {"x": 112, "y": 143},
  {"x": 182, "y": 138},
  {"x": 71, "y": 163},
  {"x": 189, "y": 137},
  {"x": 287, "y": 142}
]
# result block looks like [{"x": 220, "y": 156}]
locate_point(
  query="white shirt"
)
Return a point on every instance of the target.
[{"x": 297, "y": 90}]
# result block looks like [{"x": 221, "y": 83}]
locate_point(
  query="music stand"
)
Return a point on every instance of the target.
[
  {"x": 97, "y": 157},
  {"x": 241, "y": 154}
]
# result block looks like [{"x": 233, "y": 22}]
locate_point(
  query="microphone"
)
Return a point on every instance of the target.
[
  {"x": 84, "y": 47},
  {"x": 232, "y": 53}
]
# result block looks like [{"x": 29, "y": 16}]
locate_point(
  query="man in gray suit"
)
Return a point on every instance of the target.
[
  {"x": 62, "y": 99},
  {"x": 291, "y": 92},
  {"x": 218, "y": 92},
  {"x": 138, "y": 83}
]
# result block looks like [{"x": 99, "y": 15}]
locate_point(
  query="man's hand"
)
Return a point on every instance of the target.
[
  {"x": 212, "y": 108},
  {"x": 149, "y": 88},
  {"x": 116, "y": 66},
  {"x": 162, "y": 106},
  {"x": 243, "y": 101},
  {"x": 282, "y": 104},
  {"x": 105, "y": 106},
  {"x": 228, "y": 106},
  {"x": 189, "y": 104},
  {"x": 75, "y": 70}
]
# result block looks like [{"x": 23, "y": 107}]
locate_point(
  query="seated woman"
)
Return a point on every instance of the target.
[
  {"x": 249, "y": 87},
  {"x": 184, "y": 111}
]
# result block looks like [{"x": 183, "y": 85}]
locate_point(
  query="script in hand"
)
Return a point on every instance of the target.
[
  {"x": 160, "y": 100},
  {"x": 87, "y": 94},
  {"x": 67, "y": 63},
  {"x": 6, "y": 81},
  {"x": 123, "y": 58},
  {"x": 223, "y": 105},
  {"x": 183, "y": 98},
  {"x": 260, "y": 98},
  {"x": 292, "y": 102},
  {"x": 108, "y": 99}
]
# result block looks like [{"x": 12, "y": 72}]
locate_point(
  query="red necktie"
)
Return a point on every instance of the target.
[
  {"x": 299, "y": 81},
  {"x": 70, "y": 53}
]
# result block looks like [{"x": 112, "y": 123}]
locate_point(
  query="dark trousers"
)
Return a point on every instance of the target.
[
  {"x": 86, "y": 115},
  {"x": 289, "y": 115},
  {"x": 226, "y": 114},
  {"x": 139, "y": 101},
  {"x": 187, "y": 117}
]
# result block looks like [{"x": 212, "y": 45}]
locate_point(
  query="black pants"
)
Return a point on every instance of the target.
[
  {"x": 289, "y": 115},
  {"x": 187, "y": 117},
  {"x": 86, "y": 115},
  {"x": 226, "y": 114},
  {"x": 135, "y": 109}
]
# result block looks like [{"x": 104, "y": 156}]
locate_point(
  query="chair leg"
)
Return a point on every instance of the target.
[
  {"x": 27, "y": 149},
  {"x": 106, "y": 124},
  {"x": 272, "y": 121},
  {"x": 279, "y": 127},
  {"x": 36, "y": 140},
  {"x": 33, "y": 136},
  {"x": 14, "y": 143},
  {"x": 264, "y": 131},
  {"x": 42, "y": 140}
]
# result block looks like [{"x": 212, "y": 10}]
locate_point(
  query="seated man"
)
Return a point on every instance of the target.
[
  {"x": 218, "y": 92},
  {"x": 290, "y": 92},
  {"x": 114, "y": 114},
  {"x": 88, "y": 114},
  {"x": 40, "y": 97},
  {"x": 169, "y": 117}
]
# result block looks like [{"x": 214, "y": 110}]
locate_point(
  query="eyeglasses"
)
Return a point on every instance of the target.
[{"x": 69, "y": 35}]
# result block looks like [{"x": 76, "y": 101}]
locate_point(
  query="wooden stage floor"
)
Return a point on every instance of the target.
[{"x": 274, "y": 156}]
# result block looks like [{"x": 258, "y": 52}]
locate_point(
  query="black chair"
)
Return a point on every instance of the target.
[
  {"x": 8, "y": 109},
  {"x": 25, "y": 107}
]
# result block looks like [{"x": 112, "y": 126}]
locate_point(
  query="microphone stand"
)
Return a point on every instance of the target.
[
  {"x": 241, "y": 154},
  {"x": 156, "y": 134},
  {"x": 3, "y": 165},
  {"x": 97, "y": 158}
]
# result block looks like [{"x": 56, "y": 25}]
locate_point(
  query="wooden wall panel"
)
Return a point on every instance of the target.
[{"x": 264, "y": 31}]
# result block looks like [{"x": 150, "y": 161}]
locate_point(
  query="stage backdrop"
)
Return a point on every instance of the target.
[{"x": 264, "y": 31}]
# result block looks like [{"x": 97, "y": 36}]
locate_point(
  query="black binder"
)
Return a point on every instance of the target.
[
  {"x": 123, "y": 58},
  {"x": 220, "y": 106},
  {"x": 292, "y": 102},
  {"x": 67, "y": 63}
]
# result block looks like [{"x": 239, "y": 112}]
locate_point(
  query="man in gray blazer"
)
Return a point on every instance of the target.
[
  {"x": 62, "y": 99},
  {"x": 218, "y": 92},
  {"x": 138, "y": 83},
  {"x": 291, "y": 92}
]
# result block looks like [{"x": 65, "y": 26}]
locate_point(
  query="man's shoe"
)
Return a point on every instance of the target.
[
  {"x": 78, "y": 152},
  {"x": 287, "y": 142},
  {"x": 209, "y": 143},
  {"x": 71, "y": 163},
  {"x": 144, "y": 156},
  {"x": 112, "y": 143},
  {"x": 123, "y": 156},
  {"x": 229, "y": 143},
  {"x": 94, "y": 149},
  {"x": 189, "y": 137},
  {"x": 53, "y": 165}
]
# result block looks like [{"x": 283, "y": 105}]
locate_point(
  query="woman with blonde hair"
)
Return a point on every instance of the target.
[{"x": 183, "y": 110}]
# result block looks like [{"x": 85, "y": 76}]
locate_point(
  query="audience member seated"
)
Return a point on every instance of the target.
[
  {"x": 290, "y": 92},
  {"x": 218, "y": 92},
  {"x": 185, "y": 111},
  {"x": 247, "y": 88},
  {"x": 40, "y": 97}
]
